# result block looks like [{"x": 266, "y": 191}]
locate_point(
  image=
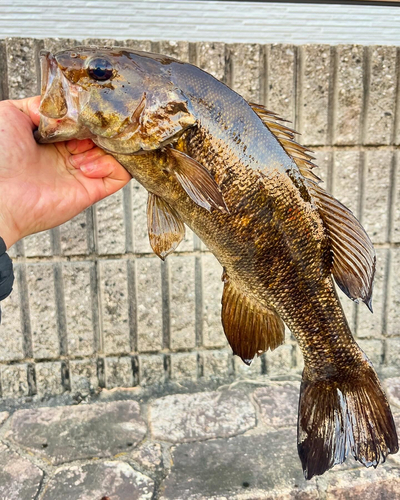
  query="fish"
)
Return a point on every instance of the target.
[{"x": 233, "y": 172}]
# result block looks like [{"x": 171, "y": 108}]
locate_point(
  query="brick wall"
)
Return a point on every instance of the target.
[{"x": 93, "y": 307}]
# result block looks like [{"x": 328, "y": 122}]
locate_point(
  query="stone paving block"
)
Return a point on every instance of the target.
[
  {"x": 373, "y": 349},
  {"x": 22, "y": 72},
  {"x": 278, "y": 404},
  {"x": 3, "y": 417},
  {"x": 371, "y": 325},
  {"x": 14, "y": 381},
  {"x": 346, "y": 178},
  {"x": 204, "y": 415},
  {"x": 139, "y": 218},
  {"x": 314, "y": 101},
  {"x": 73, "y": 235},
  {"x": 247, "y": 372},
  {"x": 216, "y": 365},
  {"x": 280, "y": 361},
  {"x": 393, "y": 307},
  {"x": 242, "y": 467},
  {"x": 107, "y": 480},
  {"x": 392, "y": 357},
  {"x": 392, "y": 386},
  {"x": 350, "y": 94},
  {"x": 395, "y": 236},
  {"x": 114, "y": 306},
  {"x": 78, "y": 307},
  {"x": 66, "y": 433},
  {"x": 148, "y": 456},
  {"x": 379, "y": 120},
  {"x": 380, "y": 484},
  {"x": 246, "y": 62},
  {"x": 211, "y": 58},
  {"x": 280, "y": 85},
  {"x": 11, "y": 335},
  {"x": 3, "y": 71},
  {"x": 179, "y": 50},
  {"x": 213, "y": 333},
  {"x": 377, "y": 181},
  {"x": 111, "y": 229},
  {"x": 43, "y": 310},
  {"x": 38, "y": 245},
  {"x": 184, "y": 366},
  {"x": 182, "y": 302},
  {"x": 119, "y": 372},
  {"x": 151, "y": 369},
  {"x": 19, "y": 478},
  {"x": 149, "y": 305},
  {"x": 83, "y": 376},
  {"x": 48, "y": 378}
]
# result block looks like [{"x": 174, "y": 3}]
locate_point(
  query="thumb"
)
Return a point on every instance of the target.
[{"x": 30, "y": 107}]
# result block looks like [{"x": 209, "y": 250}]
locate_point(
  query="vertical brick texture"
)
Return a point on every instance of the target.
[{"x": 93, "y": 307}]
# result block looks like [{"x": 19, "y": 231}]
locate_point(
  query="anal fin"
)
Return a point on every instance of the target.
[
  {"x": 249, "y": 327},
  {"x": 166, "y": 229}
]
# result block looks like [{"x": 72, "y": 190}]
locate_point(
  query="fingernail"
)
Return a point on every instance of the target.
[{"x": 87, "y": 168}]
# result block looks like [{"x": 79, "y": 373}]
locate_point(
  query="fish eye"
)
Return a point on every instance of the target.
[{"x": 99, "y": 69}]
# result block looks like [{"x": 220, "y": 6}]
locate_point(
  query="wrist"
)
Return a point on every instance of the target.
[{"x": 9, "y": 233}]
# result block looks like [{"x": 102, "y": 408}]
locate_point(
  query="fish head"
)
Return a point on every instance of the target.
[{"x": 125, "y": 101}]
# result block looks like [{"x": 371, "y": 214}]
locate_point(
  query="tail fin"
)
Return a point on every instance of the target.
[{"x": 336, "y": 417}]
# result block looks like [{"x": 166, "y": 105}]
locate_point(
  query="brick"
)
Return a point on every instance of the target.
[
  {"x": 281, "y": 86},
  {"x": 151, "y": 369},
  {"x": 56, "y": 44},
  {"x": 373, "y": 349},
  {"x": 3, "y": 71},
  {"x": 19, "y": 478},
  {"x": 119, "y": 372},
  {"x": 22, "y": 72},
  {"x": 11, "y": 334},
  {"x": 48, "y": 378},
  {"x": 392, "y": 357},
  {"x": 179, "y": 50},
  {"x": 184, "y": 366},
  {"x": 393, "y": 308},
  {"x": 323, "y": 158},
  {"x": 89, "y": 481},
  {"x": 182, "y": 302},
  {"x": 379, "y": 120},
  {"x": 372, "y": 325},
  {"x": 83, "y": 376},
  {"x": 73, "y": 235},
  {"x": 138, "y": 44},
  {"x": 349, "y": 308},
  {"x": 247, "y": 372},
  {"x": 392, "y": 386},
  {"x": 377, "y": 181},
  {"x": 246, "y": 63},
  {"x": 149, "y": 305},
  {"x": 346, "y": 178},
  {"x": 111, "y": 225},
  {"x": 278, "y": 404},
  {"x": 78, "y": 308},
  {"x": 14, "y": 381},
  {"x": 43, "y": 311},
  {"x": 314, "y": 102},
  {"x": 38, "y": 245},
  {"x": 395, "y": 236},
  {"x": 280, "y": 361},
  {"x": 114, "y": 306},
  {"x": 213, "y": 333},
  {"x": 101, "y": 42},
  {"x": 204, "y": 415},
  {"x": 211, "y": 58},
  {"x": 216, "y": 365},
  {"x": 350, "y": 94},
  {"x": 139, "y": 217}
]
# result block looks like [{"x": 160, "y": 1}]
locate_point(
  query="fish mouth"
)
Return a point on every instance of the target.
[{"x": 59, "y": 105}]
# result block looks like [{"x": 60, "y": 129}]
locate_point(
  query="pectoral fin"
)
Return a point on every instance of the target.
[
  {"x": 166, "y": 229},
  {"x": 197, "y": 181},
  {"x": 250, "y": 328},
  {"x": 354, "y": 256}
]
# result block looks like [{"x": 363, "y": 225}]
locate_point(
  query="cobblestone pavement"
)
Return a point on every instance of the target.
[{"x": 237, "y": 441}]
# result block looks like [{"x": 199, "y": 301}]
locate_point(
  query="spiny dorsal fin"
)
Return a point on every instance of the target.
[
  {"x": 354, "y": 256},
  {"x": 166, "y": 229},
  {"x": 197, "y": 181},
  {"x": 285, "y": 136},
  {"x": 250, "y": 328}
]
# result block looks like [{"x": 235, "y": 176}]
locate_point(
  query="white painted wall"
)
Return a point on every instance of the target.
[{"x": 201, "y": 20}]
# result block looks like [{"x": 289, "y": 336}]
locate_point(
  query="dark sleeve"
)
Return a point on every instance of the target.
[{"x": 6, "y": 273}]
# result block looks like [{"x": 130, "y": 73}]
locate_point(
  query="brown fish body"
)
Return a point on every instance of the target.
[{"x": 241, "y": 183}]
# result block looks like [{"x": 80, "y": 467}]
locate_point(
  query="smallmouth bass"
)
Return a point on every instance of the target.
[{"x": 234, "y": 174}]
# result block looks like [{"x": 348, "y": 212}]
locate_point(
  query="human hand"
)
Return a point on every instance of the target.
[{"x": 42, "y": 186}]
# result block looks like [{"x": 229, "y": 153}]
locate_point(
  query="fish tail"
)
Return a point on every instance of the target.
[{"x": 338, "y": 416}]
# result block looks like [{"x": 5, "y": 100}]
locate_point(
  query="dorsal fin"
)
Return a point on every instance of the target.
[
  {"x": 285, "y": 136},
  {"x": 249, "y": 327},
  {"x": 166, "y": 229}
]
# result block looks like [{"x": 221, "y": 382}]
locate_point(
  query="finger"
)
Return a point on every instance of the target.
[
  {"x": 76, "y": 147},
  {"x": 86, "y": 158},
  {"x": 107, "y": 168},
  {"x": 30, "y": 107}
]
